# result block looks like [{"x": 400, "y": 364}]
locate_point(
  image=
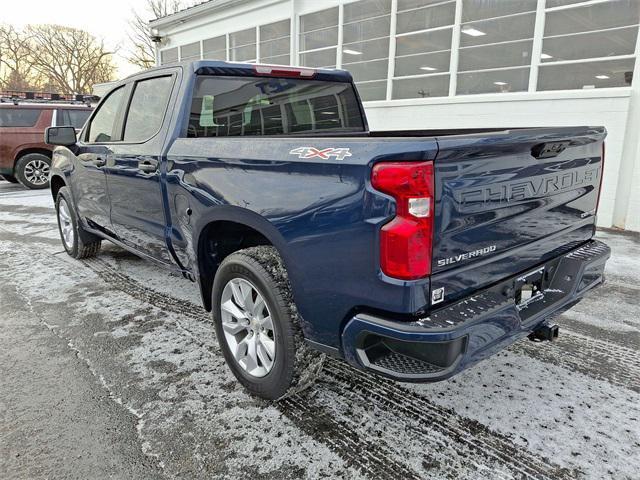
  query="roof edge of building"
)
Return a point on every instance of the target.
[{"x": 192, "y": 12}]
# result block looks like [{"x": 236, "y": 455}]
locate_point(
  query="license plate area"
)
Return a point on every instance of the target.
[{"x": 529, "y": 288}]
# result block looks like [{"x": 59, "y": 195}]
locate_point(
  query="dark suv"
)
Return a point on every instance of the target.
[{"x": 24, "y": 157}]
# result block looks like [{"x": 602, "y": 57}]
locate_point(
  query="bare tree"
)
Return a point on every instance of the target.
[
  {"x": 15, "y": 60},
  {"x": 142, "y": 50},
  {"x": 71, "y": 59}
]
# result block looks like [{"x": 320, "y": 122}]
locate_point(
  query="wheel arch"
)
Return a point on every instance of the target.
[
  {"x": 56, "y": 182},
  {"x": 28, "y": 150},
  {"x": 224, "y": 232}
]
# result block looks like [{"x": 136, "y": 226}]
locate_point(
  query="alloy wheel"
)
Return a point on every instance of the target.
[
  {"x": 66, "y": 225},
  {"x": 37, "y": 172},
  {"x": 248, "y": 327}
]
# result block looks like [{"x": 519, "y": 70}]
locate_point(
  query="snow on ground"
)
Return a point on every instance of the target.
[
  {"x": 15, "y": 194},
  {"x": 565, "y": 410}
]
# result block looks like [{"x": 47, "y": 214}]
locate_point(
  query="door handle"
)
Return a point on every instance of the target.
[
  {"x": 148, "y": 166},
  {"x": 99, "y": 162}
]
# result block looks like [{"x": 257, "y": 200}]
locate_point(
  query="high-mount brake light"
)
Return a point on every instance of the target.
[
  {"x": 406, "y": 241},
  {"x": 280, "y": 71}
]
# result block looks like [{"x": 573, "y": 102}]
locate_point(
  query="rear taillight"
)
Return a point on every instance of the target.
[
  {"x": 601, "y": 177},
  {"x": 405, "y": 242}
]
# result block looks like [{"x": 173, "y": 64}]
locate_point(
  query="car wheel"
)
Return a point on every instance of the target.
[
  {"x": 10, "y": 178},
  {"x": 257, "y": 325},
  {"x": 76, "y": 241},
  {"x": 32, "y": 170}
]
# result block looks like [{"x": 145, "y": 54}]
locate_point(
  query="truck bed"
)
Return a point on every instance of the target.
[{"x": 327, "y": 217}]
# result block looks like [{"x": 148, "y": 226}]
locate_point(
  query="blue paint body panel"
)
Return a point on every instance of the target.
[{"x": 324, "y": 217}]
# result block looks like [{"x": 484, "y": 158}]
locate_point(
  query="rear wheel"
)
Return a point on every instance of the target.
[
  {"x": 257, "y": 325},
  {"x": 32, "y": 170},
  {"x": 76, "y": 241},
  {"x": 10, "y": 178}
]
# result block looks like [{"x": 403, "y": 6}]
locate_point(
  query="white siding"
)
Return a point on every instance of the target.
[
  {"x": 618, "y": 109},
  {"x": 520, "y": 110}
]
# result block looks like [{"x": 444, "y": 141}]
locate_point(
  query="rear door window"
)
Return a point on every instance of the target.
[
  {"x": 251, "y": 106},
  {"x": 147, "y": 108},
  {"x": 73, "y": 117},
  {"x": 103, "y": 123},
  {"x": 19, "y": 117}
]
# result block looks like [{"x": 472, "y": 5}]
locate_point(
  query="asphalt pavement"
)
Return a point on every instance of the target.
[{"x": 109, "y": 368}]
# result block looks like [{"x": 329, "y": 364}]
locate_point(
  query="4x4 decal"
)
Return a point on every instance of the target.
[{"x": 325, "y": 153}]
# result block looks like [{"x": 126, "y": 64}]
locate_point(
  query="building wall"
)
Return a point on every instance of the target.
[
  {"x": 521, "y": 110},
  {"x": 618, "y": 109}
]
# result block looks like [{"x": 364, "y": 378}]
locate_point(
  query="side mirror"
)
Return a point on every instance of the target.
[{"x": 65, "y": 136}]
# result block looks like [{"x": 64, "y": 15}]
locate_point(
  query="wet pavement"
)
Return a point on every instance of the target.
[{"x": 109, "y": 368}]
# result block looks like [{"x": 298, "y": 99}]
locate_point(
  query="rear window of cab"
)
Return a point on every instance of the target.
[{"x": 250, "y": 106}]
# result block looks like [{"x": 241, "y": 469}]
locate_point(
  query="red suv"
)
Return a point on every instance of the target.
[{"x": 24, "y": 157}]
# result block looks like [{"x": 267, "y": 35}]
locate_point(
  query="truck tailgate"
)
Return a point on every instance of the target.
[{"x": 508, "y": 200}]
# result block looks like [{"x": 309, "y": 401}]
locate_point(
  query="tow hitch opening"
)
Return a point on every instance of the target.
[{"x": 545, "y": 332}]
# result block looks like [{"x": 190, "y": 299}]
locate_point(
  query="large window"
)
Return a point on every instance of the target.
[
  {"x": 408, "y": 49},
  {"x": 589, "y": 46},
  {"x": 270, "y": 43},
  {"x": 319, "y": 38},
  {"x": 103, "y": 123},
  {"x": 190, "y": 51},
  {"x": 169, "y": 56},
  {"x": 234, "y": 106},
  {"x": 19, "y": 117},
  {"x": 496, "y": 40},
  {"x": 365, "y": 46},
  {"x": 215, "y": 48},
  {"x": 147, "y": 108},
  {"x": 275, "y": 43},
  {"x": 242, "y": 46},
  {"x": 423, "y": 48}
]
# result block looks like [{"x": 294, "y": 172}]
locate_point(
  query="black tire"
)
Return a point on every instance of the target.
[
  {"x": 84, "y": 244},
  {"x": 25, "y": 170},
  {"x": 295, "y": 365},
  {"x": 10, "y": 178}
]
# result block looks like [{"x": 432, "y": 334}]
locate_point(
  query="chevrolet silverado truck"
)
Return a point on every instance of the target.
[{"x": 411, "y": 254}]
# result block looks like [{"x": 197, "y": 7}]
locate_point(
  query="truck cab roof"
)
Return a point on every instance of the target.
[{"x": 221, "y": 67}]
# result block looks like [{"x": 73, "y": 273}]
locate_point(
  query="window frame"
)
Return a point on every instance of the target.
[
  {"x": 184, "y": 130},
  {"x": 542, "y": 12},
  {"x": 198, "y": 56},
  {"x": 539, "y": 13},
  {"x": 225, "y": 36},
  {"x": 337, "y": 46},
  {"x": 62, "y": 113},
  {"x": 123, "y": 109},
  {"x": 171, "y": 49},
  {"x": 227, "y": 50},
  {"x": 132, "y": 92},
  {"x": 259, "y": 41},
  {"x": 116, "y": 129}
]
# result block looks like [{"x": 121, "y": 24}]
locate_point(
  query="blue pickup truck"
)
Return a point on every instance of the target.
[{"x": 411, "y": 254}]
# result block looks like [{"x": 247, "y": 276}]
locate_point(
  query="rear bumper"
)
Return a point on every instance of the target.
[{"x": 457, "y": 336}]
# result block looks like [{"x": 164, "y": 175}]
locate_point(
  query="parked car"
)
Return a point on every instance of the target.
[
  {"x": 412, "y": 254},
  {"x": 24, "y": 157}
]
